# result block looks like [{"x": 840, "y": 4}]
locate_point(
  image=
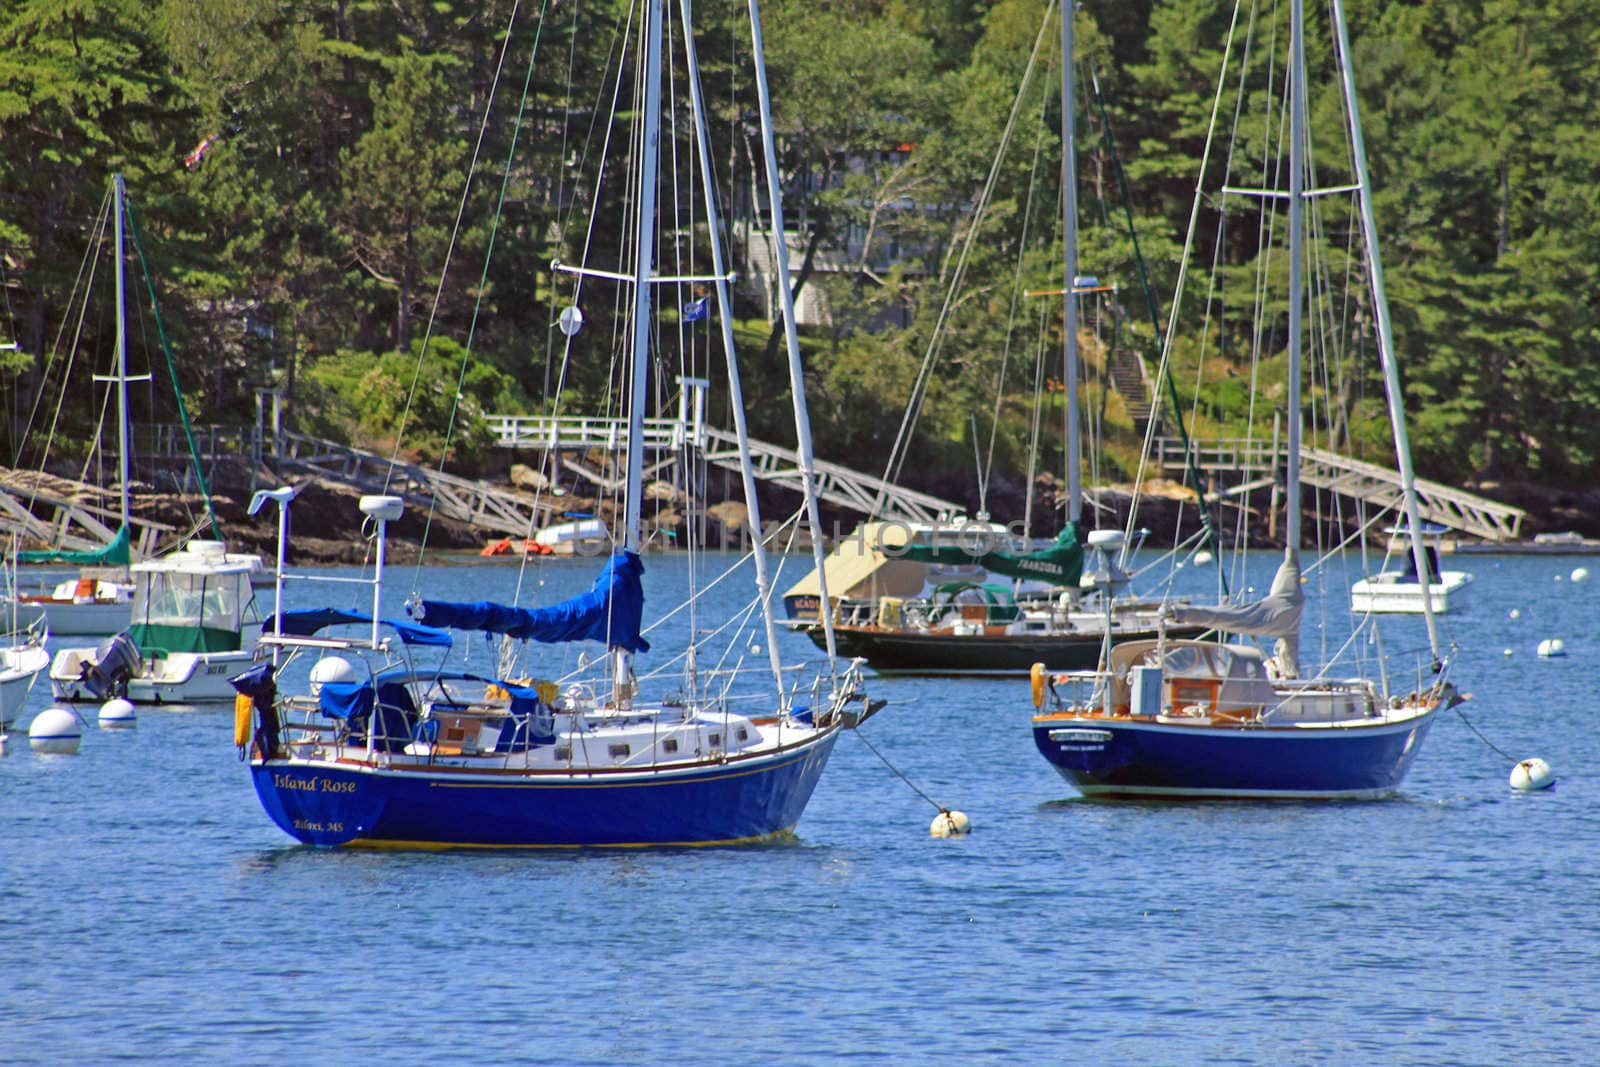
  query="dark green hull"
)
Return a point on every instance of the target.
[{"x": 933, "y": 652}]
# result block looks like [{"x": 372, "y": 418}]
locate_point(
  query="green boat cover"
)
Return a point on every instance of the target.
[
  {"x": 155, "y": 638},
  {"x": 115, "y": 554},
  {"x": 1060, "y": 564},
  {"x": 997, "y": 601}
]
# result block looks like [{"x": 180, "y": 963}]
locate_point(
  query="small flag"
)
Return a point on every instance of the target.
[
  {"x": 195, "y": 158},
  {"x": 695, "y": 310}
]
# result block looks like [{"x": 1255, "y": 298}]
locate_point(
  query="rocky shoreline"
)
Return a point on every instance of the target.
[{"x": 327, "y": 527}]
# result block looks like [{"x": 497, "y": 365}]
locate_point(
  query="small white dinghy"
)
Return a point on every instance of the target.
[{"x": 1401, "y": 592}]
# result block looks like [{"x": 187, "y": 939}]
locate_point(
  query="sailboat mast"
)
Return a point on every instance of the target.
[
  {"x": 1069, "y": 237},
  {"x": 118, "y": 195},
  {"x": 797, "y": 381},
  {"x": 1380, "y": 304},
  {"x": 758, "y": 550},
  {"x": 649, "y": 151},
  {"x": 1297, "y": 145}
]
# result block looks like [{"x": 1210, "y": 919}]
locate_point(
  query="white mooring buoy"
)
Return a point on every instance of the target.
[
  {"x": 1532, "y": 774},
  {"x": 1516, "y": 613},
  {"x": 118, "y": 714},
  {"x": 1552, "y": 648},
  {"x": 1203, "y": 557},
  {"x": 55, "y": 731},
  {"x": 1580, "y": 574},
  {"x": 951, "y": 824}
]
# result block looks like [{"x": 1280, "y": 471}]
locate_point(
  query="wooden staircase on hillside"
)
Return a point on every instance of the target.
[{"x": 1128, "y": 379}]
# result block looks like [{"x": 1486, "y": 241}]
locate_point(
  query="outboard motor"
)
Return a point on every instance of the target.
[{"x": 115, "y": 661}]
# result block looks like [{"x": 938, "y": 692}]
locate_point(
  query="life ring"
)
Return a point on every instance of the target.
[{"x": 1037, "y": 677}]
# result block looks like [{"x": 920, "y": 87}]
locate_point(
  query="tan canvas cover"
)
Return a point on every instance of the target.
[{"x": 857, "y": 569}]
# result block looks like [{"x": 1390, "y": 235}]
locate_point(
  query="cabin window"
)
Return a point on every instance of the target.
[
  {"x": 716, "y": 739},
  {"x": 744, "y": 735},
  {"x": 1183, "y": 659},
  {"x": 620, "y": 751},
  {"x": 669, "y": 745},
  {"x": 563, "y": 752}
]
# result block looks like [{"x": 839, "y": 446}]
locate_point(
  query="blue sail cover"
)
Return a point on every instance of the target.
[
  {"x": 307, "y": 622},
  {"x": 611, "y": 611}
]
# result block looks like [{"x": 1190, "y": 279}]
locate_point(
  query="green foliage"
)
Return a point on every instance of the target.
[
  {"x": 347, "y": 206},
  {"x": 432, "y": 401}
]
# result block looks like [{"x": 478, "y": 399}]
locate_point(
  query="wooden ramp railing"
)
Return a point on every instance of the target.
[
  {"x": 1374, "y": 485},
  {"x": 45, "y": 510},
  {"x": 836, "y": 483}
]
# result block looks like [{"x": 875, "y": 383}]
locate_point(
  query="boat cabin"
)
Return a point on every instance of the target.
[
  {"x": 1193, "y": 677},
  {"x": 197, "y": 600}
]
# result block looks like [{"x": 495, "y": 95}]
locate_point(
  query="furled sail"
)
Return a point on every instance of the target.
[
  {"x": 1275, "y": 615},
  {"x": 308, "y": 621},
  {"x": 115, "y": 554},
  {"x": 1059, "y": 564},
  {"x": 611, "y": 611}
]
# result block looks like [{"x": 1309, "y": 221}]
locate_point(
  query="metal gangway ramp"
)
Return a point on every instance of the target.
[
  {"x": 835, "y": 483},
  {"x": 1369, "y": 483},
  {"x": 500, "y": 510}
]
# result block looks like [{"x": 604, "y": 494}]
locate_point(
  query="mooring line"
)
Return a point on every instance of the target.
[{"x": 874, "y": 750}]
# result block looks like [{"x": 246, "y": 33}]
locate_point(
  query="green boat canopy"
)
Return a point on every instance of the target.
[
  {"x": 1060, "y": 564},
  {"x": 998, "y": 604},
  {"x": 115, "y": 554}
]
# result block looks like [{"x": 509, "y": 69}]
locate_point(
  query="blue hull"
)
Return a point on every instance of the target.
[
  {"x": 1120, "y": 757},
  {"x": 738, "y": 801}
]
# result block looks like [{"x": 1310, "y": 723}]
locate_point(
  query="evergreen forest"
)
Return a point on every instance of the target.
[{"x": 318, "y": 186}]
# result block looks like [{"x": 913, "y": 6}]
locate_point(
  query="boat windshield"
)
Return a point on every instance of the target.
[{"x": 209, "y": 601}]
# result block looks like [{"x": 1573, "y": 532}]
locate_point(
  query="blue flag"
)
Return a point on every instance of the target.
[{"x": 695, "y": 310}]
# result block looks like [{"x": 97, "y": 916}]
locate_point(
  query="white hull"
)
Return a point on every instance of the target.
[
  {"x": 20, "y": 667},
  {"x": 178, "y": 678},
  {"x": 1386, "y": 594}
]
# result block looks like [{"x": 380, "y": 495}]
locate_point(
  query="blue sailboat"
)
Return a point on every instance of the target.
[
  {"x": 414, "y": 754},
  {"x": 386, "y": 750},
  {"x": 1174, "y": 717}
]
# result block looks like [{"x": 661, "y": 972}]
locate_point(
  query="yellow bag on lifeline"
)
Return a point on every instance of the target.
[
  {"x": 891, "y": 613},
  {"x": 242, "y": 712},
  {"x": 549, "y": 692}
]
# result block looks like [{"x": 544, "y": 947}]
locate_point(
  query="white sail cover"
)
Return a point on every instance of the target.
[{"x": 1275, "y": 615}]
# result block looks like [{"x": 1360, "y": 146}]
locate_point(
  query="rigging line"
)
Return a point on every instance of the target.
[
  {"x": 550, "y": 465},
  {"x": 488, "y": 254},
  {"x": 1037, "y": 422},
  {"x": 88, "y": 265},
  {"x": 561, "y": 166},
  {"x": 1165, "y": 363},
  {"x": 444, "y": 272},
  {"x": 1207, "y": 520},
  {"x": 1266, "y": 223},
  {"x": 172, "y": 370},
  {"x": 1011, "y": 315},
  {"x": 902, "y": 443}
]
